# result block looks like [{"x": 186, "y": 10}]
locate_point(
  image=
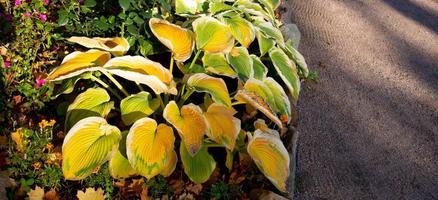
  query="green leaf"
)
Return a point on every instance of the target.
[
  {"x": 125, "y": 4},
  {"x": 214, "y": 86},
  {"x": 282, "y": 103},
  {"x": 87, "y": 145},
  {"x": 217, "y": 7},
  {"x": 241, "y": 29},
  {"x": 119, "y": 165},
  {"x": 260, "y": 70},
  {"x": 62, "y": 17},
  {"x": 265, "y": 44},
  {"x": 216, "y": 63},
  {"x": 90, "y": 3},
  {"x": 188, "y": 6},
  {"x": 241, "y": 62},
  {"x": 137, "y": 106},
  {"x": 287, "y": 70},
  {"x": 212, "y": 35},
  {"x": 199, "y": 167},
  {"x": 92, "y": 102},
  {"x": 271, "y": 32},
  {"x": 296, "y": 56}
]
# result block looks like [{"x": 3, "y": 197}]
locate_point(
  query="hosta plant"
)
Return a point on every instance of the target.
[{"x": 228, "y": 80}]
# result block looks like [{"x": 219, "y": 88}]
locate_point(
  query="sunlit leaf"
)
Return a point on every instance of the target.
[
  {"x": 214, "y": 86},
  {"x": 265, "y": 43},
  {"x": 260, "y": 70},
  {"x": 91, "y": 194},
  {"x": 179, "y": 40},
  {"x": 77, "y": 63},
  {"x": 253, "y": 8},
  {"x": 217, "y": 7},
  {"x": 212, "y": 35},
  {"x": 287, "y": 70},
  {"x": 149, "y": 146},
  {"x": 272, "y": 4},
  {"x": 117, "y": 46},
  {"x": 217, "y": 63},
  {"x": 87, "y": 145},
  {"x": 137, "y": 106},
  {"x": 92, "y": 102},
  {"x": 190, "y": 124},
  {"x": 224, "y": 127},
  {"x": 199, "y": 167},
  {"x": 241, "y": 62},
  {"x": 270, "y": 32},
  {"x": 297, "y": 57},
  {"x": 188, "y": 6},
  {"x": 241, "y": 29},
  {"x": 266, "y": 149},
  {"x": 142, "y": 70},
  {"x": 119, "y": 165},
  {"x": 282, "y": 103}
]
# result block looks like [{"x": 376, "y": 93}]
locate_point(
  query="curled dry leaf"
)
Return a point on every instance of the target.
[{"x": 91, "y": 194}]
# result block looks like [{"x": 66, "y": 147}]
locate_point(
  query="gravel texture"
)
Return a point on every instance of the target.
[{"x": 369, "y": 129}]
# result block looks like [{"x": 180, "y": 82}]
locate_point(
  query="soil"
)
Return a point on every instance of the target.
[{"x": 369, "y": 128}]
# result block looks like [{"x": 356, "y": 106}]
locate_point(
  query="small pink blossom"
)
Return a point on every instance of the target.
[
  {"x": 43, "y": 17},
  {"x": 27, "y": 14},
  {"x": 46, "y": 1},
  {"x": 7, "y": 64},
  {"x": 40, "y": 82},
  {"x": 17, "y": 2}
]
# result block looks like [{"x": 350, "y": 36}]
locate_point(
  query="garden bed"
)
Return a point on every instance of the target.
[{"x": 147, "y": 100}]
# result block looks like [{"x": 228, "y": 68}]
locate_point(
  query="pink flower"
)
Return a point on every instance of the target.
[
  {"x": 27, "y": 14},
  {"x": 43, "y": 17},
  {"x": 46, "y": 1},
  {"x": 7, "y": 64},
  {"x": 17, "y": 2},
  {"x": 40, "y": 82}
]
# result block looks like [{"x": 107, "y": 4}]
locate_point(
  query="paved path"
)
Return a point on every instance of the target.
[{"x": 370, "y": 127}]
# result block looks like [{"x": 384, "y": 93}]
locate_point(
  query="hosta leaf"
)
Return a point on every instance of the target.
[
  {"x": 199, "y": 167},
  {"x": 271, "y": 32},
  {"x": 259, "y": 103},
  {"x": 217, "y": 7},
  {"x": 214, "y": 86},
  {"x": 296, "y": 56},
  {"x": 119, "y": 165},
  {"x": 248, "y": 6},
  {"x": 265, "y": 43},
  {"x": 286, "y": 70},
  {"x": 262, "y": 90},
  {"x": 77, "y": 63},
  {"x": 260, "y": 70},
  {"x": 170, "y": 164},
  {"x": 117, "y": 46},
  {"x": 282, "y": 103},
  {"x": 272, "y": 4},
  {"x": 241, "y": 62},
  {"x": 266, "y": 149},
  {"x": 188, "y": 6},
  {"x": 92, "y": 102},
  {"x": 224, "y": 127},
  {"x": 142, "y": 70},
  {"x": 149, "y": 146},
  {"x": 212, "y": 35},
  {"x": 190, "y": 124},
  {"x": 137, "y": 106},
  {"x": 179, "y": 40},
  {"x": 241, "y": 29},
  {"x": 87, "y": 145},
  {"x": 91, "y": 194},
  {"x": 217, "y": 63}
]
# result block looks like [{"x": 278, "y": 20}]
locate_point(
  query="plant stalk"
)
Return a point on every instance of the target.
[
  {"x": 106, "y": 86},
  {"x": 194, "y": 59},
  {"x": 118, "y": 85}
]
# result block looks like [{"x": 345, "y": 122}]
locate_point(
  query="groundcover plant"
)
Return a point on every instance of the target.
[{"x": 230, "y": 81}]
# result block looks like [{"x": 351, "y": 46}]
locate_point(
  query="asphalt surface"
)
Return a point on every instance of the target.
[{"x": 369, "y": 129}]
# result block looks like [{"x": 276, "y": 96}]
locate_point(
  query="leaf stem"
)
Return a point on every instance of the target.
[
  {"x": 194, "y": 59},
  {"x": 171, "y": 64},
  {"x": 118, "y": 85},
  {"x": 106, "y": 86}
]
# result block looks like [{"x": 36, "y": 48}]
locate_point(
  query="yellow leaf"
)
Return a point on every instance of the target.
[
  {"x": 91, "y": 194},
  {"x": 117, "y": 46},
  {"x": 241, "y": 29},
  {"x": 215, "y": 86},
  {"x": 149, "y": 147},
  {"x": 179, "y": 40},
  {"x": 271, "y": 157},
  {"x": 79, "y": 62},
  {"x": 212, "y": 35},
  {"x": 224, "y": 127},
  {"x": 170, "y": 164},
  {"x": 36, "y": 194},
  {"x": 190, "y": 124}
]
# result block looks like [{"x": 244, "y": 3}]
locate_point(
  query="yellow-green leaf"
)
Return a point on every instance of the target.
[
  {"x": 92, "y": 102},
  {"x": 212, "y": 35},
  {"x": 297, "y": 57},
  {"x": 149, "y": 146},
  {"x": 241, "y": 62},
  {"x": 266, "y": 149},
  {"x": 287, "y": 70},
  {"x": 137, "y": 106},
  {"x": 142, "y": 70},
  {"x": 190, "y": 124},
  {"x": 179, "y": 40},
  {"x": 199, "y": 167},
  {"x": 119, "y": 165},
  {"x": 260, "y": 70},
  {"x": 265, "y": 43},
  {"x": 77, "y": 63},
  {"x": 241, "y": 29},
  {"x": 170, "y": 164},
  {"x": 272, "y": 4},
  {"x": 117, "y": 46},
  {"x": 270, "y": 31},
  {"x": 282, "y": 103},
  {"x": 87, "y": 145},
  {"x": 214, "y": 86},
  {"x": 224, "y": 127},
  {"x": 188, "y": 6},
  {"x": 216, "y": 63}
]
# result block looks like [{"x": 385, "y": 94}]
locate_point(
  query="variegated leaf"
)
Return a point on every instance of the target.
[{"x": 214, "y": 86}]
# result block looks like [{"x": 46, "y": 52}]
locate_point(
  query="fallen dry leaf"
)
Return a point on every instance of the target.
[
  {"x": 194, "y": 188},
  {"x": 91, "y": 194},
  {"x": 51, "y": 195},
  {"x": 36, "y": 194}
]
